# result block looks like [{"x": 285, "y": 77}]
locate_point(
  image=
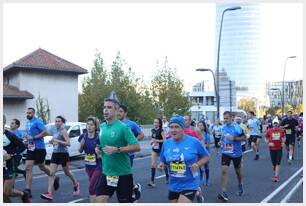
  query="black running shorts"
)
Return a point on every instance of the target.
[
  {"x": 190, "y": 194},
  {"x": 124, "y": 188}
]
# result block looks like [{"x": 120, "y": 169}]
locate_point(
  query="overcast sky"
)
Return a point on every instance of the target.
[{"x": 145, "y": 33}]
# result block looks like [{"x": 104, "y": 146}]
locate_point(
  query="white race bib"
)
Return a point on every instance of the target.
[
  {"x": 112, "y": 181},
  {"x": 90, "y": 159},
  {"x": 177, "y": 169}
]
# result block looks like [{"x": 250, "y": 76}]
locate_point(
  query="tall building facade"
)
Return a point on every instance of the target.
[
  {"x": 240, "y": 46},
  {"x": 293, "y": 93}
]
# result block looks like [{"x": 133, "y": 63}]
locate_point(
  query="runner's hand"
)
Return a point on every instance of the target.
[
  {"x": 271, "y": 144},
  {"x": 161, "y": 166},
  {"x": 98, "y": 151},
  {"x": 110, "y": 150},
  {"x": 194, "y": 167}
]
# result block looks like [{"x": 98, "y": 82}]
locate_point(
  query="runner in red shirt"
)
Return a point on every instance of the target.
[{"x": 275, "y": 138}]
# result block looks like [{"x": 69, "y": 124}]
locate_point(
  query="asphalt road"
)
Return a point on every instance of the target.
[{"x": 257, "y": 181}]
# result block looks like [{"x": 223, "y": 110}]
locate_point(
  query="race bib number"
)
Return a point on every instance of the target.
[
  {"x": 177, "y": 169},
  {"x": 31, "y": 147},
  {"x": 276, "y": 136},
  {"x": 218, "y": 134},
  {"x": 229, "y": 148},
  {"x": 90, "y": 159},
  {"x": 288, "y": 131},
  {"x": 112, "y": 181},
  {"x": 155, "y": 146}
]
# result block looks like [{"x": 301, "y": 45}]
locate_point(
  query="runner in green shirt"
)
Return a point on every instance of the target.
[{"x": 116, "y": 140}]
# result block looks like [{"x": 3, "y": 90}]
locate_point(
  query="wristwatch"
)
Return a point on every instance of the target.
[{"x": 118, "y": 149}]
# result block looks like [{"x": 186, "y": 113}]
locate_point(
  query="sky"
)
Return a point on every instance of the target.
[{"x": 145, "y": 33}]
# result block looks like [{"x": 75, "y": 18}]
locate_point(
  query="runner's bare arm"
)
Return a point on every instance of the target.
[
  {"x": 64, "y": 133},
  {"x": 41, "y": 135},
  {"x": 140, "y": 136}
]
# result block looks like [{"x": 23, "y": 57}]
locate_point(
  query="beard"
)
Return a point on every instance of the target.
[{"x": 29, "y": 117}]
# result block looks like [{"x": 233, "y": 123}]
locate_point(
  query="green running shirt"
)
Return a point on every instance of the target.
[{"x": 117, "y": 135}]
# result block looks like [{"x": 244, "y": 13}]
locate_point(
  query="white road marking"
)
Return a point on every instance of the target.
[
  {"x": 161, "y": 176},
  {"x": 269, "y": 197},
  {"x": 141, "y": 158},
  {"x": 250, "y": 150},
  {"x": 44, "y": 175},
  {"x": 78, "y": 200},
  {"x": 288, "y": 196}
]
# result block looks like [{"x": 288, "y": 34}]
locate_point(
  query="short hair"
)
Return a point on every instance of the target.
[
  {"x": 289, "y": 111},
  {"x": 17, "y": 122},
  {"x": 122, "y": 106},
  {"x": 31, "y": 108},
  {"x": 228, "y": 113},
  {"x": 252, "y": 113},
  {"x": 62, "y": 118},
  {"x": 114, "y": 101}
]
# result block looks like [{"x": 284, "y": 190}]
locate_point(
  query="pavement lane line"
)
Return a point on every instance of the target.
[
  {"x": 78, "y": 200},
  {"x": 44, "y": 175},
  {"x": 269, "y": 197},
  {"x": 141, "y": 158},
  {"x": 250, "y": 150},
  {"x": 288, "y": 196},
  {"x": 161, "y": 176}
]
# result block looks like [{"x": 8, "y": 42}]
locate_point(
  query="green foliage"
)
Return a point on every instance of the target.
[
  {"x": 43, "y": 109},
  {"x": 144, "y": 102},
  {"x": 298, "y": 109},
  {"x": 167, "y": 91},
  {"x": 248, "y": 104}
]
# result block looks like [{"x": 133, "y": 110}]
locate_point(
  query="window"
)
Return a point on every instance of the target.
[{"x": 75, "y": 131}]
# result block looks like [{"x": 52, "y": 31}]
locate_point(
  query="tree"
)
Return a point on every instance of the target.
[
  {"x": 43, "y": 109},
  {"x": 248, "y": 104},
  {"x": 299, "y": 108},
  {"x": 167, "y": 91},
  {"x": 129, "y": 90},
  {"x": 95, "y": 89}
]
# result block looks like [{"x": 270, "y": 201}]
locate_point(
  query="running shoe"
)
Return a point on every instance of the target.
[
  {"x": 289, "y": 161},
  {"x": 151, "y": 184},
  {"x": 76, "y": 189},
  {"x": 29, "y": 192},
  {"x": 240, "y": 190},
  {"x": 56, "y": 183},
  {"x": 275, "y": 179},
  {"x": 207, "y": 183},
  {"x": 256, "y": 157},
  {"x": 200, "y": 198},
  {"x": 223, "y": 196},
  {"x": 25, "y": 197},
  {"x": 137, "y": 191},
  {"x": 47, "y": 196}
]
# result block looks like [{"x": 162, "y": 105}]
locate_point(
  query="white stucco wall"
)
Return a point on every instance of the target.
[
  {"x": 15, "y": 109},
  {"x": 13, "y": 79},
  {"x": 61, "y": 90}
]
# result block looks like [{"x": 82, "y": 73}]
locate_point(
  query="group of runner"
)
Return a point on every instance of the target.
[{"x": 182, "y": 150}]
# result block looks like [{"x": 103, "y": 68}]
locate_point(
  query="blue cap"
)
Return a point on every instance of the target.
[{"x": 178, "y": 120}]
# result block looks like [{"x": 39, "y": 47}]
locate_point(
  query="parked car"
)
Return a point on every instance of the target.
[{"x": 74, "y": 129}]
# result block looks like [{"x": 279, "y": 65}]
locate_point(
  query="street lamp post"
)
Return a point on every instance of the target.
[
  {"x": 216, "y": 91},
  {"x": 283, "y": 93},
  {"x": 280, "y": 92},
  {"x": 218, "y": 55}
]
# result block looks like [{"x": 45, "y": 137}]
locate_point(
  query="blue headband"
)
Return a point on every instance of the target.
[{"x": 178, "y": 120}]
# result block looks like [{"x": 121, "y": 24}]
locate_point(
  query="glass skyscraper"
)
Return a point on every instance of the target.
[{"x": 240, "y": 47}]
